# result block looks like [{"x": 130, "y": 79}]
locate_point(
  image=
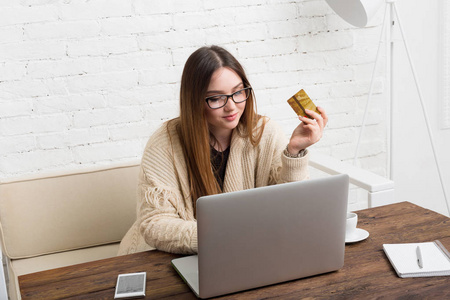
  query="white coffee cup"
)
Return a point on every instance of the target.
[{"x": 352, "y": 221}]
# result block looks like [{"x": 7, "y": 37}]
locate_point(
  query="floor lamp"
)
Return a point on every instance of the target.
[{"x": 358, "y": 13}]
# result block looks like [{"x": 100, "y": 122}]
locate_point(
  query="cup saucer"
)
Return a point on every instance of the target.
[{"x": 357, "y": 236}]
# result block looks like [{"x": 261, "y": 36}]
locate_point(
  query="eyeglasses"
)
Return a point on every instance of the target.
[{"x": 218, "y": 101}]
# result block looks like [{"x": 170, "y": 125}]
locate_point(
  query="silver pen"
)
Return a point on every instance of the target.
[{"x": 419, "y": 257}]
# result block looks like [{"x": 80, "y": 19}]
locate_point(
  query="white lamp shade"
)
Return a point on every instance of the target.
[{"x": 356, "y": 12}]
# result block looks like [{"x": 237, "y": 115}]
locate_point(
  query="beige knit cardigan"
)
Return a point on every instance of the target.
[{"x": 165, "y": 214}]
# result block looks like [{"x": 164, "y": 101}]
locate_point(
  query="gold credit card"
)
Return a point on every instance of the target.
[{"x": 300, "y": 101}]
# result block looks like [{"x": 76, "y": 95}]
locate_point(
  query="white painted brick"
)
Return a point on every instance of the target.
[
  {"x": 254, "y": 65},
  {"x": 267, "y": 48},
  {"x": 200, "y": 20},
  {"x": 180, "y": 55},
  {"x": 301, "y": 79},
  {"x": 298, "y": 27},
  {"x": 102, "y": 47},
  {"x": 104, "y": 81},
  {"x": 144, "y": 60},
  {"x": 158, "y": 76},
  {"x": 338, "y": 105},
  {"x": 16, "y": 144},
  {"x": 279, "y": 96},
  {"x": 28, "y": 50},
  {"x": 373, "y": 130},
  {"x": 136, "y": 25},
  {"x": 28, "y": 162},
  {"x": 33, "y": 124},
  {"x": 319, "y": 92},
  {"x": 144, "y": 7},
  {"x": 117, "y": 115},
  {"x": 51, "y": 141},
  {"x": 212, "y": 5},
  {"x": 11, "y": 34},
  {"x": 278, "y": 111},
  {"x": 61, "y": 30},
  {"x": 172, "y": 40},
  {"x": 34, "y": 2},
  {"x": 95, "y": 9},
  {"x": 297, "y": 62},
  {"x": 353, "y": 56},
  {"x": 347, "y": 151},
  {"x": 333, "y": 137},
  {"x": 12, "y": 90},
  {"x": 12, "y": 70},
  {"x": 334, "y": 23},
  {"x": 28, "y": 14},
  {"x": 325, "y": 41},
  {"x": 86, "y": 136},
  {"x": 278, "y": 79},
  {"x": 353, "y": 88},
  {"x": 41, "y": 69},
  {"x": 224, "y": 36},
  {"x": 74, "y": 102},
  {"x": 313, "y": 8},
  {"x": 351, "y": 119},
  {"x": 143, "y": 95},
  {"x": 236, "y": 34},
  {"x": 31, "y": 88},
  {"x": 276, "y": 12},
  {"x": 343, "y": 120},
  {"x": 139, "y": 130},
  {"x": 107, "y": 151},
  {"x": 120, "y": 63},
  {"x": 161, "y": 93},
  {"x": 161, "y": 111},
  {"x": 72, "y": 137},
  {"x": 372, "y": 147},
  {"x": 16, "y": 108}
]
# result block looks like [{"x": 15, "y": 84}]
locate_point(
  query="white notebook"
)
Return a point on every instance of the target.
[{"x": 431, "y": 260}]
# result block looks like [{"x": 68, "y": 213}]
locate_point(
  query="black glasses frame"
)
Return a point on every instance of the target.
[{"x": 230, "y": 96}]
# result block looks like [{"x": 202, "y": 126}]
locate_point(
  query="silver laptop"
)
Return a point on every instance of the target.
[{"x": 267, "y": 235}]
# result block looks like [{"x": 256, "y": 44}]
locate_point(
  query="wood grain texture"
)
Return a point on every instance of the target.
[{"x": 367, "y": 273}]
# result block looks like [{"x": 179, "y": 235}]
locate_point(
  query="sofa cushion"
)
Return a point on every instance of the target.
[
  {"x": 63, "y": 259},
  {"x": 24, "y": 266}
]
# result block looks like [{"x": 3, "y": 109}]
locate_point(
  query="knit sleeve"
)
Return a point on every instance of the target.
[
  {"x": 166, "y": 219},
  {"x": 285, "y": 169},
  {"x": 160, "y": 222}
]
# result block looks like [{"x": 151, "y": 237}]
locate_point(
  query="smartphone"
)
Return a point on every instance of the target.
[
  {"x": 301, "y": 101},
  {"x": 130, "y": 285}
]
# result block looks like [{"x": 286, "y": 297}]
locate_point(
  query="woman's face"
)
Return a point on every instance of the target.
[{"x": 222, "y": 121}]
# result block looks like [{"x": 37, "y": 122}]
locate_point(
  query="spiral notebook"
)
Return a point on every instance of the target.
[{"x": 419, "y": 259}]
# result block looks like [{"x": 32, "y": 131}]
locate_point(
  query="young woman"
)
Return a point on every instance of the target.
[{"x": 217, "y": 144}]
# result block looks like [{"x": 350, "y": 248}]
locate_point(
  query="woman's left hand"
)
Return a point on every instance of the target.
[{"x": 309, "y": 131}]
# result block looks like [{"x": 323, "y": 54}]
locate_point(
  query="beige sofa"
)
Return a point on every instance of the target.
[{"x": 54, "y": 220}]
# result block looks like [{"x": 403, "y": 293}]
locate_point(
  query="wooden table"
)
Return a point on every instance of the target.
[{"x": 366, "y": 274}]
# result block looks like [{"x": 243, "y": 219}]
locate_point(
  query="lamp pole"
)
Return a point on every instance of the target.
[
  {"x": 393, "y": 20},
  {"x": 390, "y": 3}
]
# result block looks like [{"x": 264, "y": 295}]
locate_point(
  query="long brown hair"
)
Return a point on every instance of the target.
[{"x": 193, "y": 129}]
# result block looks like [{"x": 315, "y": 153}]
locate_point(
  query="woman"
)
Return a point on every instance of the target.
[{"x": 217, "y": 144}]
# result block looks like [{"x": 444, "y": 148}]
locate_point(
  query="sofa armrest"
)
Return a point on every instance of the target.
[
  {"x": 380, "y": 189},
  {"x": 3, "y": 293}
]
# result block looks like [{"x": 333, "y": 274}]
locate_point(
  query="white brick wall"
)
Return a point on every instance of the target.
[{"x": 86, "y": 82}]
